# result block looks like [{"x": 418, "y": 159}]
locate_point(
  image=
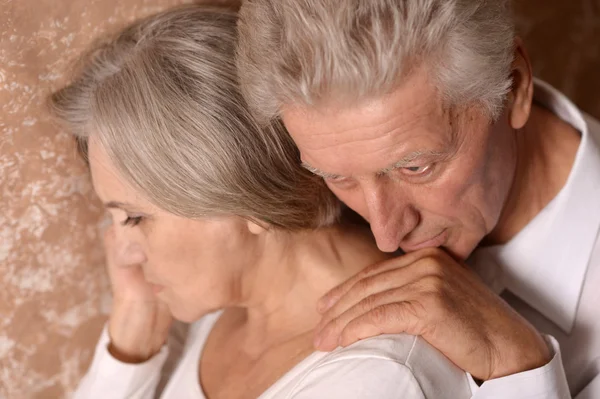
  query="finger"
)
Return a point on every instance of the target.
[
  {"x": 393, "y": 318},
  {"x": 331, "y": 297},
  {"x": 329, "y": 336},
  {"x": 395, "y": 278}
]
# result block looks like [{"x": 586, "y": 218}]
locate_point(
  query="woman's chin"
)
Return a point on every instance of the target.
[{"x": 187, "y": 315}]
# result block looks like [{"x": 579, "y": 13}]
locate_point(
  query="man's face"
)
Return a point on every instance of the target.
[{"x": 421, "y": 174}]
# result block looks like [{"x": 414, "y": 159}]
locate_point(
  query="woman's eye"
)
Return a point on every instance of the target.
[{"x": 132, "y": 221}]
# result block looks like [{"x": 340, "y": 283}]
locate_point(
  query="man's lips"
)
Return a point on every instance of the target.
[{"x": 436, "y": 241}]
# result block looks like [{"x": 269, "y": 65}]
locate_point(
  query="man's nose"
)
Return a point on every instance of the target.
[{"x": 390, "y": 214}]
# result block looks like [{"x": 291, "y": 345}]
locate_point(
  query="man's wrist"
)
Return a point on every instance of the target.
[{"x": 523, "y": 357}]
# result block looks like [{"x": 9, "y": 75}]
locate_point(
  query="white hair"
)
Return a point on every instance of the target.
[
  {"x": 309, "y": 51},
  {"x": 163, "y": 100}
]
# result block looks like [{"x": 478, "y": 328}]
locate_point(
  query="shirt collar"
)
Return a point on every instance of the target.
[{"x": 545, "y": 263}]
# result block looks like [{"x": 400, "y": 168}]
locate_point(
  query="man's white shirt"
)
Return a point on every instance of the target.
[{"x": 550, "y": 273}]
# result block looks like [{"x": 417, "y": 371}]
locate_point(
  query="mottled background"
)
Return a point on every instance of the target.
[{"x": 53, "y": 292}]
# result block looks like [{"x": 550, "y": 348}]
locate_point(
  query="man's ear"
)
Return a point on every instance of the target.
[
  {"x": 521, "y": 94},
  {"x": 256, "y": 227}
]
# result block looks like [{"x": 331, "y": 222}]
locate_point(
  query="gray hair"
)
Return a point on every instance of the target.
[
  {"x": 163, "y": 100},
  {"x": 310, "y": 51}
]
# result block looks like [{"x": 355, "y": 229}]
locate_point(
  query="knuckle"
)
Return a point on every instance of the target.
[
  {"x": 431, "y": 252},
  {"x": 334, "y": 326},
  {"x": 433, "y": 266},
  {"x": 368, "y": 270},
  {"x": 362, "y": 286},
  {"x": 348, "y": 333},
  {"x": 379, "y": 315},
  {"x": 434, "y": 302},
  {"x": 433, "y": 283},
  {"x": 367, "y": 303},
  {"x": 393, "y": 297}
]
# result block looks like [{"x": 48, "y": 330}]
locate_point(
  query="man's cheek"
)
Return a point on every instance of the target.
[{"x": 354, "y": 201}]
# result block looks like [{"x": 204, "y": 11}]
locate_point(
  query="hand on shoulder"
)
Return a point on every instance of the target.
[{"x": 428, "y": 293}]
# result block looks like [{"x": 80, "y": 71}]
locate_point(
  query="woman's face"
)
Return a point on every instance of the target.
[{"x": 194, "y": 266}]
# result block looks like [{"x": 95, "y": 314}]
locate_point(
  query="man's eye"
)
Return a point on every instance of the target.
[
  {"x": 132, "y": 221},
  {"x": 416, "y": 170},
  {"x": 339, "y": 181}
]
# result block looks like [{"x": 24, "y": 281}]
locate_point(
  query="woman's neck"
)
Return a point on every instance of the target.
[{"x": 279, "y": 296}]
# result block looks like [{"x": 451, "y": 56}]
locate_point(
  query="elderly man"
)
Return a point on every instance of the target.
[{"x": 423, "y": 117}]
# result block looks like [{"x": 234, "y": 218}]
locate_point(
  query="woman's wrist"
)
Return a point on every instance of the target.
[{"x": 134, "y": 334}]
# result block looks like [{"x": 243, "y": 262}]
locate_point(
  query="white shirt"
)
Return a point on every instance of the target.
[
  {"x": 550, "y": 272},
  {"x": 389, "y": 366}
]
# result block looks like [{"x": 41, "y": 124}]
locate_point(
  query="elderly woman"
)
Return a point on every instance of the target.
[{"x": 217, "y": 225}]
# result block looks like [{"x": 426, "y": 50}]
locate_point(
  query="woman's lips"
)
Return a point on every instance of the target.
[
  {"x": 436, "y": 241},
  {"x": 156, "y": 288}
]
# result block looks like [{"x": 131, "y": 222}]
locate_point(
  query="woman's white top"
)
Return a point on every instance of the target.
[{"x": 389, "y": 366}]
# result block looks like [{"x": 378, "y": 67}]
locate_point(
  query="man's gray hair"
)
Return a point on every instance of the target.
[
  {"x": 163, "y": 100},
  {"x": 309, "y": 51}
]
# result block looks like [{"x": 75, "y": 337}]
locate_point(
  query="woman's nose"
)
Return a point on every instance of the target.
[
  {"x": 121, "y": 248},
  {"x": 132, "y": 254}
]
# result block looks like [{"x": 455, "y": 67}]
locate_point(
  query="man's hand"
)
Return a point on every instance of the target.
[{"x": 428, "y": 293}]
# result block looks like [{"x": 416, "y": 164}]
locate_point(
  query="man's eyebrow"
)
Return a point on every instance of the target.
[
  {"x": 405, "y": 161},
  {"x": 319, "y": 172},
  {"x": 408, "y": 159}
]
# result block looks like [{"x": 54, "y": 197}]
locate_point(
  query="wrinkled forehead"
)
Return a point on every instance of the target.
[
  {"x": 412, "y": 118},
  {"x": 415, "y": 102}
]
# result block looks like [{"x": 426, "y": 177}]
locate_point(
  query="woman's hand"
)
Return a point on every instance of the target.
[{"x": 139, "y": 322}]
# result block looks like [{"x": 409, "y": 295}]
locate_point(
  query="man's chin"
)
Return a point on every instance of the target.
[{"x": 461, "y": 251}]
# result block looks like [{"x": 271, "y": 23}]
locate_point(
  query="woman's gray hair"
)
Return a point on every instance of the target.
[
  {"x": 163, "y": 100},
  {"x": 308, "y": 51}
]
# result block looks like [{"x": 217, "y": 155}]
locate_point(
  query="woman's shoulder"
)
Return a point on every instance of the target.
[
  {"x": 388, "y": 347},
  {"x": 386, "y": 366}
]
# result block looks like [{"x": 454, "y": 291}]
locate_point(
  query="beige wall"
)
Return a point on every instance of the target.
[
  {"x": 563, "y": 39},
  {"x": 54, "y": 290},
  {"x": 53, "y": 295}
]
